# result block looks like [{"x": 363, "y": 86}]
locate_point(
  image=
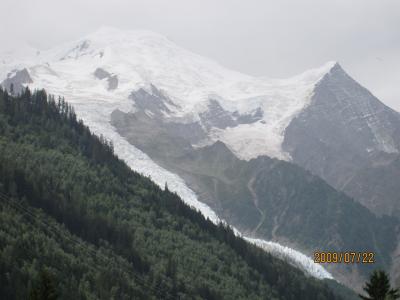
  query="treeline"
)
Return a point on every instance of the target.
[{"x": 151, "y": 244}]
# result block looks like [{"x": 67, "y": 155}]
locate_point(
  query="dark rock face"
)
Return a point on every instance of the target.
[
  {"x": 112, "y": 82},
  {"x": 154, "y": 102},
  {"x": 151, "y": 134},
  {"x": 111, "y": 79},
  {"x": 376, "y": 185},
  {"x": 342, "y": 132},
  {"x": 101, "y": 73},
  {"x": 216, "y": 116},
  {"x": 79, "y": 50},
  {"x": 263, "y": 197},
  {"x": 192, "y": 132},
  {"x": 159, "y": 106},
  {"x": 249, "y": 118},
  {"x": 154, "y": 110},
  {"x": 18, "y": 79}
]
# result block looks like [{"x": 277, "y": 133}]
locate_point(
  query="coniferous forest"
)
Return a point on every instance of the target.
[{"x": 77, "y": 223}]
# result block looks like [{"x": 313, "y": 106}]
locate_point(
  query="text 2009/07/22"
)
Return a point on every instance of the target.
[{"x": 349, "y": 257}]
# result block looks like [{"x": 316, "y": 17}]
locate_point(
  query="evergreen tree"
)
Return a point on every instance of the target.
[
  {"x": 106, "y": 232},
  {"x": 44, "y": 289},
  {"x": 378, "y": 288}
]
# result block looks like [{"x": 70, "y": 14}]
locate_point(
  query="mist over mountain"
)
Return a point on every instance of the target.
[{"x": 308, "y": 161}]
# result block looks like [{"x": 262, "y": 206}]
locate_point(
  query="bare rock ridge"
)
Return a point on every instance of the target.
[
  {"x": 264, "y": 198},
  {"x": 157, "y": 105},
  {"x": 18, "y": 79},
  {"x": 218, "y": 129},
  {"x": 344, "y": 134},
  {"x": 112, "y": 79}
]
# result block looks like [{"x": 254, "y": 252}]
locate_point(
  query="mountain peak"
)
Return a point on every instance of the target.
[
  {"x": 137, "y": 58},
  {"x": 329, "y": 65},
  {"x": 336, "y": 67},
  {"x": 333, "y": 71},
  {"x": 313, "y": 76}
]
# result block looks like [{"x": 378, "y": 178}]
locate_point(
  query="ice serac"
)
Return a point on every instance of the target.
[{"x": 344, "y": 135}]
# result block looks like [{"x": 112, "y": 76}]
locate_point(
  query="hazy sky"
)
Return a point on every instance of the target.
[{"x": 276, "y": 38}]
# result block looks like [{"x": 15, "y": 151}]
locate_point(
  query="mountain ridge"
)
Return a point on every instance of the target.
[
  {"x": 71, "y": 208},
  {"x": 139, "y": 59},
  {"x": 180, "y": 96},
  {"x": 343, "y": 136}
]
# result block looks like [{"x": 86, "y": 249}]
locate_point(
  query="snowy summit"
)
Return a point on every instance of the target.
[
  {"x": 139, "y": 59},
  {"x": 100, "y": 72}
]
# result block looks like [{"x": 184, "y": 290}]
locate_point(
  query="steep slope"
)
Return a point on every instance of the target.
[
  {"x": 347, "y": 137},
  {"x": 267, "y": 198},
  {"x": 181, "y": 98},
  {"x": 376, "y": 184},
  {"x": 323, "y": 109},
  {"x": 131, "y": 61},
  {"x": 69, "y": 206}
]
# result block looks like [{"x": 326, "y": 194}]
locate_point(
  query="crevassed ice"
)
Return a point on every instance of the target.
[
  {"x": 140, "y": 58},
  {"x": 94, "y": 114}
]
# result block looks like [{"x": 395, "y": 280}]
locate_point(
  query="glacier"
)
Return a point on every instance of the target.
[
  {"x": 141, "y": 58},
  {"x": 95, "y": 112}
]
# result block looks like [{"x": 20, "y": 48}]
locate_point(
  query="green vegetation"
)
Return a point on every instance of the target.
[
  {"x": 44, "y": 289},
  {"x": 77, "y": 223},
  {"x": 378, "y": 287},
  {"x": 270, "y": 198}
]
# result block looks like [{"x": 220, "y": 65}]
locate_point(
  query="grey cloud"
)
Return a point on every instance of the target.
[{"x": 259, "y": 37}]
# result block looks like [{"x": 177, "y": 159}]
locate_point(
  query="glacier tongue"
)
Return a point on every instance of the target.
[
  {"x": 140, "y": 58},
  {"x": 141, "y": 163},
  {"x": 94, "y": 114}
]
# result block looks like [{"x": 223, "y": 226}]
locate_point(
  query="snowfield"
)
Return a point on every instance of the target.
[
  {"x": 95, "y": 112},
  {"x": 141, "y": 58}
]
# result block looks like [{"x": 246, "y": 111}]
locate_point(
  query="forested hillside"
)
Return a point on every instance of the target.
[
  {"x": 269, "y": 198},
  {"x": 72, "y": 210}
]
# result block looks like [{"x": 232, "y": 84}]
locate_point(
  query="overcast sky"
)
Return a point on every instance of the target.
[{"x": 275, "y": 38}]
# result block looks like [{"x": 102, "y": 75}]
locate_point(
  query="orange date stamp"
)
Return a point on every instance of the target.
[{"x": 322, "y": 257}]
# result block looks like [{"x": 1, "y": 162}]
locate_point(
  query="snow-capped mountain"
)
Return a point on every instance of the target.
[
  {"x": 196, "y": 102},
  {"x": 105, "y": 71},
  {"x": 322, "y": 119},
  {"x": 350, "y": 139},
  {"x": 139, "y": 59}
]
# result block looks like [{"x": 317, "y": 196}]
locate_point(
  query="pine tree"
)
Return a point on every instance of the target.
[
  {"x": 378, "y": 288},
  {"x": 44, "y": 289}
]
